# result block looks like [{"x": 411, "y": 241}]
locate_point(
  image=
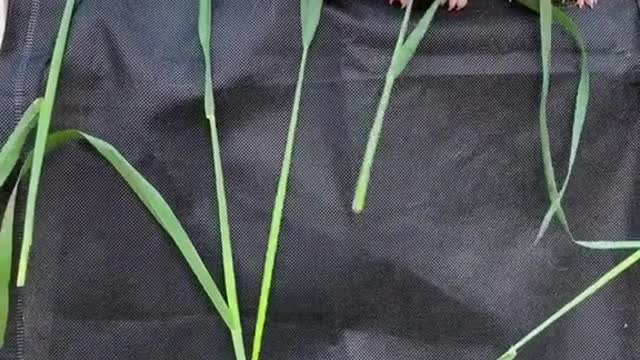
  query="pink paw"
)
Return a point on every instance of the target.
[
  {"x": 451, "y": 4},
  {"x": 590, "y": 3}
]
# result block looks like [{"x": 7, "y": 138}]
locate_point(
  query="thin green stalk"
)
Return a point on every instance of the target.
[
  {"x": 404, "y": 51},
  {"x": 546, "y": 22},
  {"x": 44, "y": 121},
  {"x": 604, "y": 280},
  {"x": 276, "y": 217},
  {"x": 310, "y": 13},
  {"x": 6, "y": 249},
  {"x": 580, "y": 113},
  {"x": 204, "y": 29},
  {"x": 362, "y": 185},
  {"x": 9, "y": 156}
]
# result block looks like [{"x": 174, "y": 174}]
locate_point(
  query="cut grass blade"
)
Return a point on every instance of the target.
[
  {"x": 44, "y": 121},
  {"x": 310, "y": 12},
  {"x": 152, "y": 200},
  {"x": 9, "y": 156},
  {"x": 6, "y": 249},
  {"x": 546, "y": 22},
  {"x": 405, "y": 49},
  {"x": 12, "y": 149},
  {"x": 580, "y": 113},
  {"x": 604, "y": 280},
  {"x": 610, "y": 245},
  {"x": 204, "y": 30}
]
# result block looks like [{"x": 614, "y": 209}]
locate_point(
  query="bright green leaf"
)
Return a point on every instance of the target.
[
  {"x": 404, "y": 50},
  {"x": 310, "y": 17},
  {"x": 152, "y": 200},
  {"x": 44, "y": 121},
  {"x": 310, "y": 11},
  {"x": 204, "y": 29},
  {"x": 11, "y": 150}
]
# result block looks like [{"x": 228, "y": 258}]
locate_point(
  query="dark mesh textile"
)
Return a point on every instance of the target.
[{"x": 440, "y": 266}]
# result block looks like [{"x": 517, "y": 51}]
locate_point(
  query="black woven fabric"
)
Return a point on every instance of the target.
[{"x": 440, "y": 265}]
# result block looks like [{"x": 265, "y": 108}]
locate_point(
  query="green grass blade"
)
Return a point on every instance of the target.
[
  {"x": 405, "y": 49},
  {"x": 204, "y": 26},
  {"x": 9, "y": 156},
  {"x": 11, "y": 150},
  {"x": 154, "y": 202},
  {"x": 546, "y": 22},
  {"x": 610, "y": 245},
  {"x": 276, "y": 216},
  {"x": 310, "y": 11},
  {"x": 362, "y": 185},
  {"x": 509, "y": 355},
  {"x": 604, "y": 280},
  {"x": 6, "y": 249},
  {"x": 44, "y": 121},
  {"x": 409, "y": 47},
  {"x": 580, "y": 114}
]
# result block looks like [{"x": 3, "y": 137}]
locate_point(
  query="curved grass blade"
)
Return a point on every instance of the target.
[
  {"x": 9, "y": 156},
  {"x": 310, "y": 11},
  {"x": 604, "y": 280},
  {"x": 153, "y": 201},
  {"x": 12, "y": 149},
  {"x": 6, "y": 249},
  {"x": 204, "y": 27},
  {"x": 582, "y": 101},
  {"x": 44, "y": 120},
  {"x": 404, "y": 50},
  {"x": 546, "y": 22},
  {"x": 409, "y": 47}
]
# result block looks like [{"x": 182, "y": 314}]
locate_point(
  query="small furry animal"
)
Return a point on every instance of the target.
[{"x": 459, "y": 4}]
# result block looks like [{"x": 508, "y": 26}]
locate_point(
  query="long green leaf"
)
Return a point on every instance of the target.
[
  {"x": 582, "y": 101},
  {"x": 9, "y": 156},
  {"x": 204, "y": 25},
  {"x": 310, "y": 11},
  {"x": 610, "y": 245},
  {"x": 11, "y": 150},
  {"x": 44, "y": 121},
  {"x": 404, "y": 51},
  {"x": 546, "y": 22},
  {"x": 410, "y": 46},
  {"x": 599, "y": 284},
  {"x": 6, "y": 249},
  {"x": 152, "y": 200}
]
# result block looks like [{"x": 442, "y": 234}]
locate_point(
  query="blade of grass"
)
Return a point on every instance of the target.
[
  {"x": 153, "y": 201},
  {"x": 580, "y": 113},
  {"x": 403, "y": 53},
  {"x": 6, "y": 249},
  {"x": 310, "y": 12},
  {"x": 610, "y": 245},
  {"x": 603, "y": 281},
  {"x": 11, "y": 150},
  {"x": 546, "y": 22},
  {"x": 204, "y": 29},
  {"x": 582, "y": 101},
  {"x": 44, "y": 121},
  {"x": 9, "y": 156}
]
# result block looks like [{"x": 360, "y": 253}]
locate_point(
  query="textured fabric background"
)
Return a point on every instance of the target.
[{"x": 441, "y": 264}]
